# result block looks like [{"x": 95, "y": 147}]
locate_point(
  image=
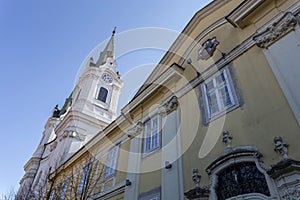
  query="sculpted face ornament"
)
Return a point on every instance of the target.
[{"x": 208, "y": 48}]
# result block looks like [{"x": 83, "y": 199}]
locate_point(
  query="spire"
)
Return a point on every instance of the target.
[{"x": 109, "y": 50}]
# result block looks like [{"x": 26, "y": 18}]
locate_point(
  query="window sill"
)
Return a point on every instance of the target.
[
  {"x": 221, "y": 114},
  {"x": 109, "y": 177},
  {"x": 149, "y": 153}
]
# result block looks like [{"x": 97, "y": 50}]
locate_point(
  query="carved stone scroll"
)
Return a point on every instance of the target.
[{"x": 275, "y": 31}]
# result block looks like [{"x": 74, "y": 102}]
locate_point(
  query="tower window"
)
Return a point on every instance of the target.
[{"x": 102, "y": 96}]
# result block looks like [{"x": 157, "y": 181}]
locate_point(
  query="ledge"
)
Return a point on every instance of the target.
[
  {"x": 282, "y": 167},
  {"x": 238, "y": 15}
]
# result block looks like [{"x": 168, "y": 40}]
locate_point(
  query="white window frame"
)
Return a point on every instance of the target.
[
  {"x": 152, "y": 135},
  {"x": 111, "y": 163},
  {"x": 216, "y": 90}
]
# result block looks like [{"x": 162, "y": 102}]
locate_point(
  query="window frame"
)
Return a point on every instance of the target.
[
  {"x": 83, "y": 180},
  {"x": 112, "y": 161},
  {"x": 99, "y": 92},
  {"x": 242, "y": 154},
  {"x": 232, "y": 89},
  {"x": 64, "y": 190},
  {"x": 152, "y": 149},
  {"x": 237, "y": 175}
]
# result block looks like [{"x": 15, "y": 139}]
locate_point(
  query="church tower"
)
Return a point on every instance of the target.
[{"x": 91, "y": 106}]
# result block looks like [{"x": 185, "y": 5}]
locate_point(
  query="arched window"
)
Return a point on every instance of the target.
[
  {"x": 102, "y": 95},
  {"x": 239, "y": 179},
  {"x": 238, "y": 173}
]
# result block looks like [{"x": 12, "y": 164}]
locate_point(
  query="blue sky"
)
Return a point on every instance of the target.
[{"x": 42, "y": 46}]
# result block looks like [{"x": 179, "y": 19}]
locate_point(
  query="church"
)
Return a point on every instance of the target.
[{"x": 218, "y": 118}]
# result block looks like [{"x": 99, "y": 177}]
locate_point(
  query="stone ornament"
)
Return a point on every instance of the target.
[
  {"x": 53, "y": 146},
  {"x": 135, "y": 130},
  {"x": 275, "y": 31},
  {"x": 196, "y": 178},
  {"x": 227, "y": 139},
  {"x": 73, "y": 134},
  {"x": 197, "y": 192},
  {"x": 208, "y": 48},
  {"x": 280, "y": 147},
  {"x": 169, "y": 106},
  {"x": 291, "y": 193}
]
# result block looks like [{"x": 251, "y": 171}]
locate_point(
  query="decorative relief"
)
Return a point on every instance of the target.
[
  {"x": 73, "y": 134},
  {"x": 93, "y": 76},
  {"x": 135, "y": 130},
  {"x": 53, "y": 146},
  {"x": 291, "y": 193},
  {"x": 208, "y": 48},
  {"x": 275, "y": 31},
  {"x": 169, "y": 106}
]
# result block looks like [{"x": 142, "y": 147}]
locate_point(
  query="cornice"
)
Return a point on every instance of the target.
[
  {"x": 237, "y": 16},
  {"x": 76, "y": 115},
  {"x": 172, "y": 74},
  {"x": 184, "y": 35}
]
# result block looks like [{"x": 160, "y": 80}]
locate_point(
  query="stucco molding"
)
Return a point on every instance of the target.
[
  {"x": 73, "y": 134},
  {"x": 169, "y": 106},
  {"x": 275, "y": 31},
  {"x": 234, "y": 153},
  {"x": 135, "y": 130},
  {"x": 291, "y": 193},
  {"x": 203, "y": 34}
]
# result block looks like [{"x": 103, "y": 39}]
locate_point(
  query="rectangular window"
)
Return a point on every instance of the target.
[
  {"x": 111, "y": 164},
  {"x": 219, "y": 95},
  {"x": 64, "y": 190},
  {"x": 151, "y": 134},
  {"x": 84, "y": 179},
  {"x": 52, "y": 194}
]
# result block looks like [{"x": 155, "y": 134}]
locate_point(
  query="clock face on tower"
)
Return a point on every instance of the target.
[{"x": 107, "y": 78}]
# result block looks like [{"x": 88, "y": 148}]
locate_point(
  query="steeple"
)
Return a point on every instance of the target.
[{"x": 109, "y": 50}]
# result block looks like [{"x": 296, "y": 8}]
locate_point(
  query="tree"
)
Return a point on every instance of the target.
[
  {"x": 77, "y": 184},
  {"x": 11, "y": 195}
]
